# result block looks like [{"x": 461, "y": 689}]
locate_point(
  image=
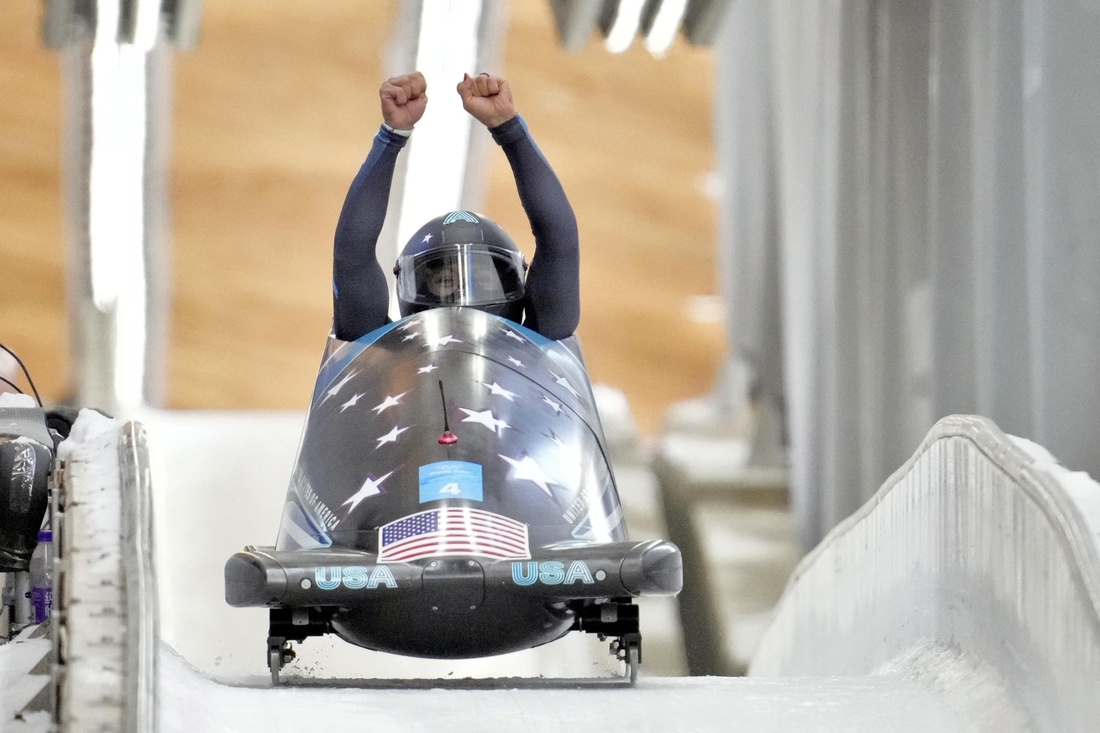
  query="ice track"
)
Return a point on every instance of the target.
[
  {"x": 191, "y": 702},
  {"x": 964, "y": 596}
]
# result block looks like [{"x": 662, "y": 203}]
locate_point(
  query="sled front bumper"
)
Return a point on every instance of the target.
[{"x": 349, "y": 578}]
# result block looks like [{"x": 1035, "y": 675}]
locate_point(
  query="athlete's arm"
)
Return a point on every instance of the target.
[
  {"x": 552, "y": 304},
  {"x": 359, "y": 294}
]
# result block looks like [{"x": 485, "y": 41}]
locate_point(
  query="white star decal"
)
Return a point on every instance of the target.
[
  {"x": 409, "y": 324},
  {"x": 351, "y": 402},
  {"x": 427, "y": 370},
  {"x": 528, "y": 470},
  {"x": 555, "y": 439},
  {"x": 487, "y": 419},
  {"x": 371, "y": 487},
  {"x": 512, "y": 334},
  {"x": 388, "y": 403},
  {"x": 516, "y": 361},
  {"x": 390, "y": 437},
  {"x": 555, "y": 406},
  {"x": 411, "y": 336},
  {"x": 427, "y": 237},
  {"x": 442, "y": 341},
  {"x": 336, "y": 388},
  {"x": 565, "y": 383},
  {"x": 496, "y": 389}
]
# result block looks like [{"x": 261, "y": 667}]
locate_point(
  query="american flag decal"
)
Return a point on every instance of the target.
[{"x": 453, "y": 531}]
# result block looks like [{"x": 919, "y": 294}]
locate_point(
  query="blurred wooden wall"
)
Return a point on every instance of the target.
[{"x": 273, "y": 114}]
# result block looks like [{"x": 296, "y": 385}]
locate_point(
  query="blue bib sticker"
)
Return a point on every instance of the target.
[{"x": 450, "y": 480}]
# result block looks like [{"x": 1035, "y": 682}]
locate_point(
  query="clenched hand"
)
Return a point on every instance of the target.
[
  {"x": 487, "y": 98},
  {"x": 403, "y": 100}
]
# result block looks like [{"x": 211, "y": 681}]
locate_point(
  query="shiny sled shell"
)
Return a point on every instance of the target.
[
  {"x": 452, "y": 496},
  {"x": 529, "y": 443}
]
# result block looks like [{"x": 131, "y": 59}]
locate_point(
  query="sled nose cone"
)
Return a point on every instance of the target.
[
  {"x": 249, "y": 581},
  {"x": 654, "y": 569}
]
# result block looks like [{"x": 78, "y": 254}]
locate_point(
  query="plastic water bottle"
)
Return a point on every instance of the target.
[{"x": 42, "y": 577}]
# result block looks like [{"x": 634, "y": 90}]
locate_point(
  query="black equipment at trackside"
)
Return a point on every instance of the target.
[{"x": 26, "y": 456}]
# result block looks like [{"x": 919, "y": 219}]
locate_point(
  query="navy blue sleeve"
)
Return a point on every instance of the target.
[
  {"x": 552, "y": 303},
  {"x": 360, "y": 298}
]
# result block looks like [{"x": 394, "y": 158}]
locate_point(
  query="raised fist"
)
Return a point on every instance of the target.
[
  {"x": 403, "y": 100},
  {"x": 487, "y": 98}
]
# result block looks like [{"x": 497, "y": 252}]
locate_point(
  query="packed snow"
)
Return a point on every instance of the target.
[{"x": 1081, "y": 488}]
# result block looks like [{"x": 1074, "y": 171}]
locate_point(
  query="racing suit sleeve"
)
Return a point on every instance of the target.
[
  {"x": 360, "y": 298},
  {"x": 552, "y": 304}
]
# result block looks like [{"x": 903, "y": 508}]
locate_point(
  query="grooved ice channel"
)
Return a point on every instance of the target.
[{"x": 190, "y": 702}]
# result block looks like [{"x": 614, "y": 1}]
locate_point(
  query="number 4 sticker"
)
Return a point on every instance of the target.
[{"x": 450, "y": 480}]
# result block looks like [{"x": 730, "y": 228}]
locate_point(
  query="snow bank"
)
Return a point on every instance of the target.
[
  {"x": 1082, "y": 489},
  {"x": 14, "y": 399}
]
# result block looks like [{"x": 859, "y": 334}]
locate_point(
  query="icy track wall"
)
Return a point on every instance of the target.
[
  {"x": 106, "y": 613},
  {"x": 975, "y": 569}
]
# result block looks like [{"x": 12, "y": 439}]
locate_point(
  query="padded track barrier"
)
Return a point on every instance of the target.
[{"x": 974, "y": 569}]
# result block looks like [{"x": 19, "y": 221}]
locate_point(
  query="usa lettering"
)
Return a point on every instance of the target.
[
  {"x": 354, "y": 577},
  {"x": 551, "y": 572}
]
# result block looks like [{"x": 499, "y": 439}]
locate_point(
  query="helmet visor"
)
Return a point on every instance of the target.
[{"x": 463, "y": 274}]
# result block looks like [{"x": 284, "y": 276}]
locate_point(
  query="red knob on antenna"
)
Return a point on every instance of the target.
[{"x": 448, "y": 438}]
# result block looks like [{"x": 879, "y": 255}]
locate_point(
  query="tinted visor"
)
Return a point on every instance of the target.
[{"x": 465, "y": 274}]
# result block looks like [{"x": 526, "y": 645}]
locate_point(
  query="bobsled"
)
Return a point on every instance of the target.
[{"x": 452, "y": 498}]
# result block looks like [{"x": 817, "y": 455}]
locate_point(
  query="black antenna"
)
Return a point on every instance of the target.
[
  {"x": 448, "y": 437},
  {"x": 25, "y": 372},
  {"x": 11, "y": 384}
]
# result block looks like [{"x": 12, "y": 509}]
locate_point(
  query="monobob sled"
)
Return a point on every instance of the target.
[{"x": 452, "y": 498}]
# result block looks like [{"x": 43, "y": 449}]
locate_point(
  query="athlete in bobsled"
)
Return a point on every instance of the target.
[
  {"x": 459, "y": 258},
  {"x": 452, "y": 497}
]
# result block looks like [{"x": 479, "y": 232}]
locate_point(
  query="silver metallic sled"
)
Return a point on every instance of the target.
[{"x": 452, "y": 498}]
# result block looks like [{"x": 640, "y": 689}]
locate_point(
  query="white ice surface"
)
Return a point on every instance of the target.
[
  {"x": 190, "y": 702},
  {"x": 17, "y": 686}
]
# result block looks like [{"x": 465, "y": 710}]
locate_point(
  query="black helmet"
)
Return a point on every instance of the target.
[{"x": 461, "y": 259}]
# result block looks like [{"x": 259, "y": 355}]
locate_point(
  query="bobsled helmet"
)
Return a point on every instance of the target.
[{"x": 461, "y": 259}]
